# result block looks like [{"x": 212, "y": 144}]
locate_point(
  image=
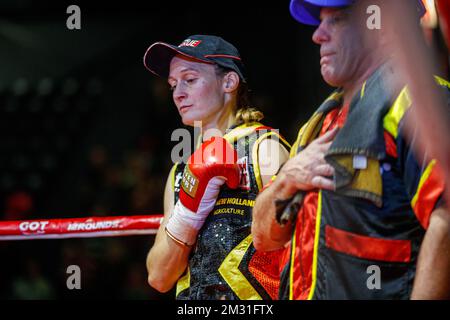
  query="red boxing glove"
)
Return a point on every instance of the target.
[
  {"x": 215, "y": 158},
  {"x": 208, "y": 168}
]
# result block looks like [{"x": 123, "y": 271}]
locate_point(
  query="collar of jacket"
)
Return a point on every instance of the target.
[{"x": 366, "y": 113}]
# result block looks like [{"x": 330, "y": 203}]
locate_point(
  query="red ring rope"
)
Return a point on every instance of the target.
[{"x": 79, "y": 227}]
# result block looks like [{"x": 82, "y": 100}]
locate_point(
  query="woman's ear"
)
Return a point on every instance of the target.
[{"x": 230, "y": 82}]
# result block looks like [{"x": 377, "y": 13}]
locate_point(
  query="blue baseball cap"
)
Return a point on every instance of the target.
[{"x": 308, "y": 11}]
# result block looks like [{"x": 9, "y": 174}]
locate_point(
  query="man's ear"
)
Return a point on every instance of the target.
[{"x": 230, "y": 82}]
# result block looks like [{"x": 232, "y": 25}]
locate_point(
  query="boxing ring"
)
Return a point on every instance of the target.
[{"x": 89, "y": 227}]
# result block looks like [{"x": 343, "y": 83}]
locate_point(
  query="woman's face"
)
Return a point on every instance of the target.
[{"x": 196, "y": 90}]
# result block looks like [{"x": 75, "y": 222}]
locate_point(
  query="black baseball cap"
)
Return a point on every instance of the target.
[{"x": 205, "y": 48}]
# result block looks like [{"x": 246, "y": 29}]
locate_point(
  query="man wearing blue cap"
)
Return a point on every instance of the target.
[{"x": 370, "y": 221}]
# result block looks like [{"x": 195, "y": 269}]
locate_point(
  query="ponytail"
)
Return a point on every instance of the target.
[{"x": 248, "y": 115}]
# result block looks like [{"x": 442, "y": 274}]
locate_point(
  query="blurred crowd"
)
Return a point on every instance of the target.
[{"x": 131, "y": 183}]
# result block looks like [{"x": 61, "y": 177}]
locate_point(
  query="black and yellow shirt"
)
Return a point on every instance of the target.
[{"x": 224, "y": 265}]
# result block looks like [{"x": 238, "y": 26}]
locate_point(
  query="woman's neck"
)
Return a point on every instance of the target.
[{"x": 219, "y": 124}]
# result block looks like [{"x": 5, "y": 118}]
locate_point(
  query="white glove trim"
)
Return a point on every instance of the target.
[{"x": 184, "y": 224}]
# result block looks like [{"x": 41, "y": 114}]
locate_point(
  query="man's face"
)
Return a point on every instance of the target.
[{"x": 341, "y": 46}]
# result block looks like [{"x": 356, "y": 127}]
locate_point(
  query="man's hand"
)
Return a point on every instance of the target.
[
  {"x": 432, "y": 279},
  {"x": 308, "y": 170}
]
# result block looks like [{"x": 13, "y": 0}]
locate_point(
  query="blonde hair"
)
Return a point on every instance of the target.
[{"x": 248, "y": 115}]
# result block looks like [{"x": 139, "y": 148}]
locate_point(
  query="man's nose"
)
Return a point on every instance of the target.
[{"x": 321, "y": 35}]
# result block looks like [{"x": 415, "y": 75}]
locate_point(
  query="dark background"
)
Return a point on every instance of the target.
[{"x": 85, "y": 128}]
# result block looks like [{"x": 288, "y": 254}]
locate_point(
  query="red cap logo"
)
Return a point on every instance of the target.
[{"x": 190, "y": 43}]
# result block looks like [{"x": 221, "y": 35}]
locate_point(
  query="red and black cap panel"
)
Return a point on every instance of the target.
[{"x": 205, "y": 48}]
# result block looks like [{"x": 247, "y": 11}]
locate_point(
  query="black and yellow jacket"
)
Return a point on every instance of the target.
[{"x": 362, "y": 241}]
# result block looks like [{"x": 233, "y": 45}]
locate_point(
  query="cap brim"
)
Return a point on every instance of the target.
[
  {"x": 305, "y": 12},
  {"x": 158, "y": 56},
  {"x": 308, "y": 12}
]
